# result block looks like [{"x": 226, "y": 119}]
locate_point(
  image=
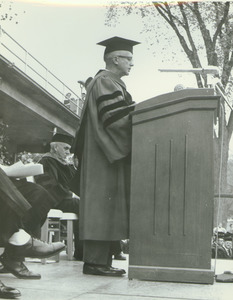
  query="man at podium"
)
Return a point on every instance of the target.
[{"x": 103, "y": 148}]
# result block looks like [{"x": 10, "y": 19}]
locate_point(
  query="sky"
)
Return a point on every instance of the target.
[{"x": 62, "y": 35}]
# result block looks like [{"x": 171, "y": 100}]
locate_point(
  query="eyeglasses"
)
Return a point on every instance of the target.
[{"x": 130, "y": 59}]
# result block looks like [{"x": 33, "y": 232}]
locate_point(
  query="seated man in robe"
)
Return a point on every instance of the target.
[
  {"x": 14, "y": 208},
  {"x": 225, "y": 251},
  {"x": 58, "y": 173},
  {"x": 217, "y": 244}
]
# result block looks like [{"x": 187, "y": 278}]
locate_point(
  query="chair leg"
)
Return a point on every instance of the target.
[
  {"x": 44, "y": 236},
  {"x": 44, "y": 231},
  {"x": 57, "y": 239},
  {"x": 47, "y": 236},
  {"x": 70, "y": 239}
]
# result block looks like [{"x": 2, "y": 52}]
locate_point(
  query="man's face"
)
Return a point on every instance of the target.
[
  {"x": 228, "y": 244},
  {"x": 124, "y": 62},
  {"x": 220, "y": 241},
  {"x": 62, "y": 150}
]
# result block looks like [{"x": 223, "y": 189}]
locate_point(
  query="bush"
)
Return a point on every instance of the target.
[{"x": 6, "y": 158}]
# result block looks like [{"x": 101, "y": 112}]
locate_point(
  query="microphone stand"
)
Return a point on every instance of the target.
[{"x": 212, "y": 72}]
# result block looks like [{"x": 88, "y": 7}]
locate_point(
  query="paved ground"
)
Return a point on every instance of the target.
[{"x": 65, "y": 281}]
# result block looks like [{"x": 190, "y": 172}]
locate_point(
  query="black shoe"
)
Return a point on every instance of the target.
[
  {"x": 7, "y": 292},
  {"x": 34, "y": 248},
  {"x": 119, "y": 270},
  {"x": 100, "y": 270},
  {"x": 17, "y": 268},
  {"x": 3, "y": 270},
  {"x": 119, "y": 256}
]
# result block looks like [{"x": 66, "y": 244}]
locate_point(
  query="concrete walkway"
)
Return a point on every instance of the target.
[{"x": 65, "y": 281}]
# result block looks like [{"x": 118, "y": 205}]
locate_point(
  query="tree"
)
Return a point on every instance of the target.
[
  {"x": 7, "y": 12},
  {"x": 204, "y": 31},
  {"x": 6, "y": 158}
]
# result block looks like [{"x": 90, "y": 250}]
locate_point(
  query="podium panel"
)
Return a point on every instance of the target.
[{"x": 172, "y": 187}]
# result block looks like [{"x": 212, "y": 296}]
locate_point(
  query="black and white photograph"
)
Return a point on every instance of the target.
[{"x": 116, "y": 150}]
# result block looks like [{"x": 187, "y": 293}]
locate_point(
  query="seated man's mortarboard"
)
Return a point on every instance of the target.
[
  {"x": 62, "y": 138},
  {"x": 117, "y": 43},
  {"x": 221, "y": 235},
  {"x": 228, "y": 237}
]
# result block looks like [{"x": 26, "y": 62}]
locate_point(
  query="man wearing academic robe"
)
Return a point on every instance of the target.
[
  {"x": 18, "y": 244},
  {"x": 225, "y": 251},
  {"x": 13, "y": 205},
  {"x": 103, "y": 146},
  {"x": 58, "y": 172}
]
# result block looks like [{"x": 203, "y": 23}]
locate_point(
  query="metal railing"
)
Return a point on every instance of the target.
[{"x": 27, "y": 63}]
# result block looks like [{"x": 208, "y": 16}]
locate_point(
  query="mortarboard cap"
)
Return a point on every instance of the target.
[
  {"x": 117, "y": 43},
  {"x": 221, "y": 235},
  {"x": 62, "y": 138},
  {"x": 228, "y": 236}
]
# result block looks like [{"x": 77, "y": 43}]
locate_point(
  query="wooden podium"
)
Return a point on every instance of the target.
[{"x": 172, "y": 187}]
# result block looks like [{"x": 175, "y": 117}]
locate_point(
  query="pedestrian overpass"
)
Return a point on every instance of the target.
[{"x": 31, "y": 103}]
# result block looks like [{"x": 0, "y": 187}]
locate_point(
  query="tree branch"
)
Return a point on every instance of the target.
[
  {"x": 187, "y": 30},
  {"x": 228, "y": 65},
  {"x": 221, "y": 23},
  {"x": 192, "y": 54},
  {"x": 210, "y": 49},
  {"x": 174, "y": 27},
  {"x": 230, "y": 127}
]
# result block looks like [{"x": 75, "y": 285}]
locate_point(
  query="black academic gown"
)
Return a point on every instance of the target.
[
  {"x": 10, "y": 196},
  {"x": 56, "y": 178},
  {"x": 13, "y": 206}
]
